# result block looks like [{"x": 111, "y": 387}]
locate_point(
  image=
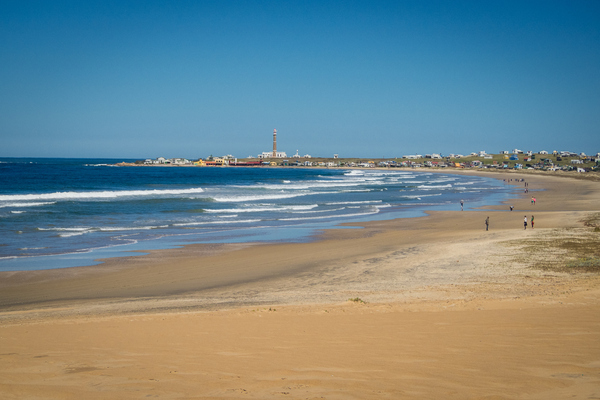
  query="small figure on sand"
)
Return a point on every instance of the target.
[
  {"x": 532, "y": 222},
  {"x": 525, "y": 222},
  {"x": 531, "y": 199},
  {"x": 462, "y": 203},
  {"x": 534, "y": 201},
  {"x": 511, "y": 208},
  {"x": 487, "y": 223}
]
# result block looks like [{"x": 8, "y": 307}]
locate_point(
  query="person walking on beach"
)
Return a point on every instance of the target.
[
  {"x": 462, "y": 203},
  {"x": 487, "y": 223},
  {"x": 532, "y": 222},
  {"x": 525, "y": 222},
  {"x": 534, "y": 201}
]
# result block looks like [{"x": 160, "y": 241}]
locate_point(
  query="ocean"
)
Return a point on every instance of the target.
[{"x": 57, "y": 213}]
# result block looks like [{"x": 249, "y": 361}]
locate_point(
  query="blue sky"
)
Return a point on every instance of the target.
[{"x": 358, "y": 78}]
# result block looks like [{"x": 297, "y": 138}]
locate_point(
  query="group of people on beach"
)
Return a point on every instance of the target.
[
  {"x": 525, "y": 222},
  {"x": 487, "y": 222}
]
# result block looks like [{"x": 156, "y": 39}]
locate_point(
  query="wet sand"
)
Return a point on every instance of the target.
[{"x": 444, "y": 309}]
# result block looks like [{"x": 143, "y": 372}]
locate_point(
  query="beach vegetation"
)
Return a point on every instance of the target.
[
  {"x": 570, "y": 251},
  {"x": 358, "y": 300},
  {"x": 587, "y": 264},
  {"x": 593, "y": 221}
]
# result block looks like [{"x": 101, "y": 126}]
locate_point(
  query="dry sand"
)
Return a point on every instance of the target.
[{"x": 451, "y": 311}]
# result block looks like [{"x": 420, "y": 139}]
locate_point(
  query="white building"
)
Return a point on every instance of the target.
[{"x": 269, "y": 154}]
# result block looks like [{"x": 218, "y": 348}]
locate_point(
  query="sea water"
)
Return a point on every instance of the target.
[{"x": 57, "y": 213}]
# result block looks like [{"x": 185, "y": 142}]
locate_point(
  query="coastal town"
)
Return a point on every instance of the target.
[{"x": 515, "y": 159}]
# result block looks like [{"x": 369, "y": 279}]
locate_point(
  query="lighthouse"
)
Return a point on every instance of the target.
[{"x": 274, "y": 143}]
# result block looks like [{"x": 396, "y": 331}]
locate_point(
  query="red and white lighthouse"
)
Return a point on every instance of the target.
[{"x": 274, "y": 143}]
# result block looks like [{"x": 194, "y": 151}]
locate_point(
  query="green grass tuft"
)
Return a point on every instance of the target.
[{"x": 358, "y": 300}]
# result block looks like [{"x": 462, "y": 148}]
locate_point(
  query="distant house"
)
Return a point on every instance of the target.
[
  {"x": 543, "y": 152},
  {"x": 159, "y": 160},
  {"x": 269, "y": 154},
  {"x": 179, "y": 161}
]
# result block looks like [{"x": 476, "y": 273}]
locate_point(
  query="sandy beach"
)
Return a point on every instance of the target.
[{"x": 429, "y": 307}]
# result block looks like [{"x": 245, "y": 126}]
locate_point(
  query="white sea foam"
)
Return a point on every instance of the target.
[
  {"x": 17, "y": 212},
  {"x": 360, "y": 190},
  {"x": 70, "y": 234},
  {"x": 318, "y": 184},
  {"x": 36, "y": 204},
  {"x": 375, "y": 211},
  {"x": 246, "y": 221},
  {"x": 236, "y": 199},
  {"x": 262, "y": 209},
  {"x": 353, "y": 202},
  {"x": 434, "y": 186},
  {"x": 71, "y": 229},
  {"x": 131, "y": 228},
  {"x": 319, "y": 211},
  {"x": 98, "y": 195},
  {"x": 355, "y": 172},
  {"x": 421, "y": 195},
  {"x": 440, "y": 180}
]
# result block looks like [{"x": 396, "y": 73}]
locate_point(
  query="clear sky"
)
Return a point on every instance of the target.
[{"x": 137, "y": 79}]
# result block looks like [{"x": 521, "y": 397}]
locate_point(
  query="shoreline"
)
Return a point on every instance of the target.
[
  {"x": 427, "y": 307},
  {"x": 141, "y": 275}
]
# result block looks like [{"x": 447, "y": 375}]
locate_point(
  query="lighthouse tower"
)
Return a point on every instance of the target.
[{"x": 274, "y": 143}]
